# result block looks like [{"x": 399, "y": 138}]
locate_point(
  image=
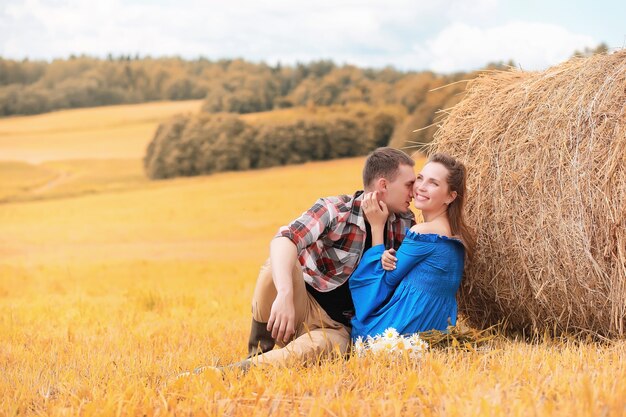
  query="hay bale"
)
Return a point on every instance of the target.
[{"x": 546, "y": 157}]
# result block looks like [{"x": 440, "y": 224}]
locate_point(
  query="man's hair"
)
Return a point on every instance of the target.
[{"x": 384, "y": 163}]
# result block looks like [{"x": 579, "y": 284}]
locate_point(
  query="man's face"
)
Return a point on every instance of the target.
[{"x": 397, "y": 194}]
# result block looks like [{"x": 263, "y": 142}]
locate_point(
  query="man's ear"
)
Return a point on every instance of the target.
[{"x": 381, "y": 184}]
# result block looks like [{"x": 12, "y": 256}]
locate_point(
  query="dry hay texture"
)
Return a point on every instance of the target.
[{"x": 546, "y": 159}]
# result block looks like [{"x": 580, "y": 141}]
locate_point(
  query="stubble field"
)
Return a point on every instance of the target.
[{"x": 111, "y": 284}]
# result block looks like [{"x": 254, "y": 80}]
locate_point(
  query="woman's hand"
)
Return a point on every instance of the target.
[
  {"x": 389, "y": 260},
  {"x": 376, "y": 212}
]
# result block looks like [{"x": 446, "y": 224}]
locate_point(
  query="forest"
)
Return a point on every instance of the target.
[{"x": 338, "y": 110}]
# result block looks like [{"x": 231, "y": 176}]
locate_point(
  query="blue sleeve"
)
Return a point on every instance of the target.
[
  {"x": 367, "y": 286},
  {"x": 409, "y": 254}
]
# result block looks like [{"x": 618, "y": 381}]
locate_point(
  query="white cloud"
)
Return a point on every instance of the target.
[
  {"x": 470, "y": 11},
  {"x": 46, "y": 28},
  {"x": 530, "y": 45},
  {"x": 373, "y": 33}
]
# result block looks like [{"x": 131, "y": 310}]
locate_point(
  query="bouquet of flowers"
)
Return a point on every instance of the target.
[{"x": 391, "y": 342}]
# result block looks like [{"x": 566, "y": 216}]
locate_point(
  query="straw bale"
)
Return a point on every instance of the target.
[{"x": 546, "y": 158}]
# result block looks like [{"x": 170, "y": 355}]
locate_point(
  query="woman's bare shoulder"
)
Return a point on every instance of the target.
[{"x": 430, "y": 228}]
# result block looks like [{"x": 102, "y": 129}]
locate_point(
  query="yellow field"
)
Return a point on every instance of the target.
[
  {"x": 105, "y": 132},
  {"x": 111, "y": 284}
]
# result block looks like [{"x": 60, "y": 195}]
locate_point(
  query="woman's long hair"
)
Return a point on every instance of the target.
[{"x": 457, "y": 178}]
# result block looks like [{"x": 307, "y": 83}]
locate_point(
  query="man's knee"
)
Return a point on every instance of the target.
[
  {"x": 332, "y": 340},
  {"x": 319, "y": 343},
  {"x": 264, "y": 294}
]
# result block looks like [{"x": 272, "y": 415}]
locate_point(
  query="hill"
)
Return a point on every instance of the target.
[{"x": 121, "y": 131}]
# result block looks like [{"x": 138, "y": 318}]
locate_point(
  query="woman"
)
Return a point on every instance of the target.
[{"x": 420, "y": 294}]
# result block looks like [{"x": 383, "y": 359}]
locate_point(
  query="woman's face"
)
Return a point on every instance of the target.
[{"x": 431, "y": 191}]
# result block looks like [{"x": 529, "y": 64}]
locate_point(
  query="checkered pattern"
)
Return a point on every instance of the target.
[{"x": 330, "y": 237}]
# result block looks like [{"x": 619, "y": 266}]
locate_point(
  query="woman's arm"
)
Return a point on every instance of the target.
[
  {"x": 410, "y": 253},
  {"x": 372, "y": 286}
]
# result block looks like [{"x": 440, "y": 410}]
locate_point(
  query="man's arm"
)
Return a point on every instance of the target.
[
  {"x": 284, "y": 250},
  {"x": 283, "y": 258}
]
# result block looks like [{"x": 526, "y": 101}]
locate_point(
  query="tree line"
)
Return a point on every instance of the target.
[
  {"x": 205, "y": 143},
  {"x": 32, "y": 87},
  {"x": 227, "y": 85},
  {"x": 357, "y": 102}
]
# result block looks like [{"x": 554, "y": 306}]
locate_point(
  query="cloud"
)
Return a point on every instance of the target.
[
  {"x": 287, "y": 30},
  {"x": 530, "y": 45},
  {"x": 374, "y": 33}
]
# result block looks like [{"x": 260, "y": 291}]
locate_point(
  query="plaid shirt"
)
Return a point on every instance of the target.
[{"x": 330, "y": 237}]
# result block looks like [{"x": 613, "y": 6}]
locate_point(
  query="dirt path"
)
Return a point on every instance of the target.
[{"x": 63, "y": 176}]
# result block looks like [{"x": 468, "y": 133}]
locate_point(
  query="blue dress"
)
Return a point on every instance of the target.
[{"x": 419, "y": 295}]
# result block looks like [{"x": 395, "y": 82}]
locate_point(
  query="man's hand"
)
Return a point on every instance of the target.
[
  {"x": 282, "y": 321},
  {"x": 389, "y": 260},
  {"x": 282, "y": 318}
]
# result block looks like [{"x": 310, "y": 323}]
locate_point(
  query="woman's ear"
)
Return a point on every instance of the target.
[{"x": 451, "y": 198}]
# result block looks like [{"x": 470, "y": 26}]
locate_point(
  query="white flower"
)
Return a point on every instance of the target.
[
  {"x": 402, "y": 343},
  {"x": 377, "y": 345},
  {"x": 418, "y": 346},
  {"x": 359, "y": 346},
  {"x": 390, "y": 334},
  {"x": 392, "y": 343},
  {"x": 418, "y": 342}
]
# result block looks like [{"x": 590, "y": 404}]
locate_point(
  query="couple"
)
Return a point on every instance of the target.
[{"x": 329, "y": 278}]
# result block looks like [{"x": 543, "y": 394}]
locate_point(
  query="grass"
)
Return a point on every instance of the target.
[
  {"x": 111, "y": 284},
  {"x": 22, "y": 181},
  {"x": 18, "y": 178},
  {"x": 121, "y": 131}
]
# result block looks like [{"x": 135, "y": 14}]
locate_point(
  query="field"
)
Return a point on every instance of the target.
[
  {"x": 111, "y": 284},
  {"x": 109, "y": 132}
]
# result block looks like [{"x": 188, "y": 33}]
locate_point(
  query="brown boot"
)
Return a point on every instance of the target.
[{"x": 260, "y": 341}]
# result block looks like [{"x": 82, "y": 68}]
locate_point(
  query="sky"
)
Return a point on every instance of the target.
[{"x": 443, "y": 36}]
